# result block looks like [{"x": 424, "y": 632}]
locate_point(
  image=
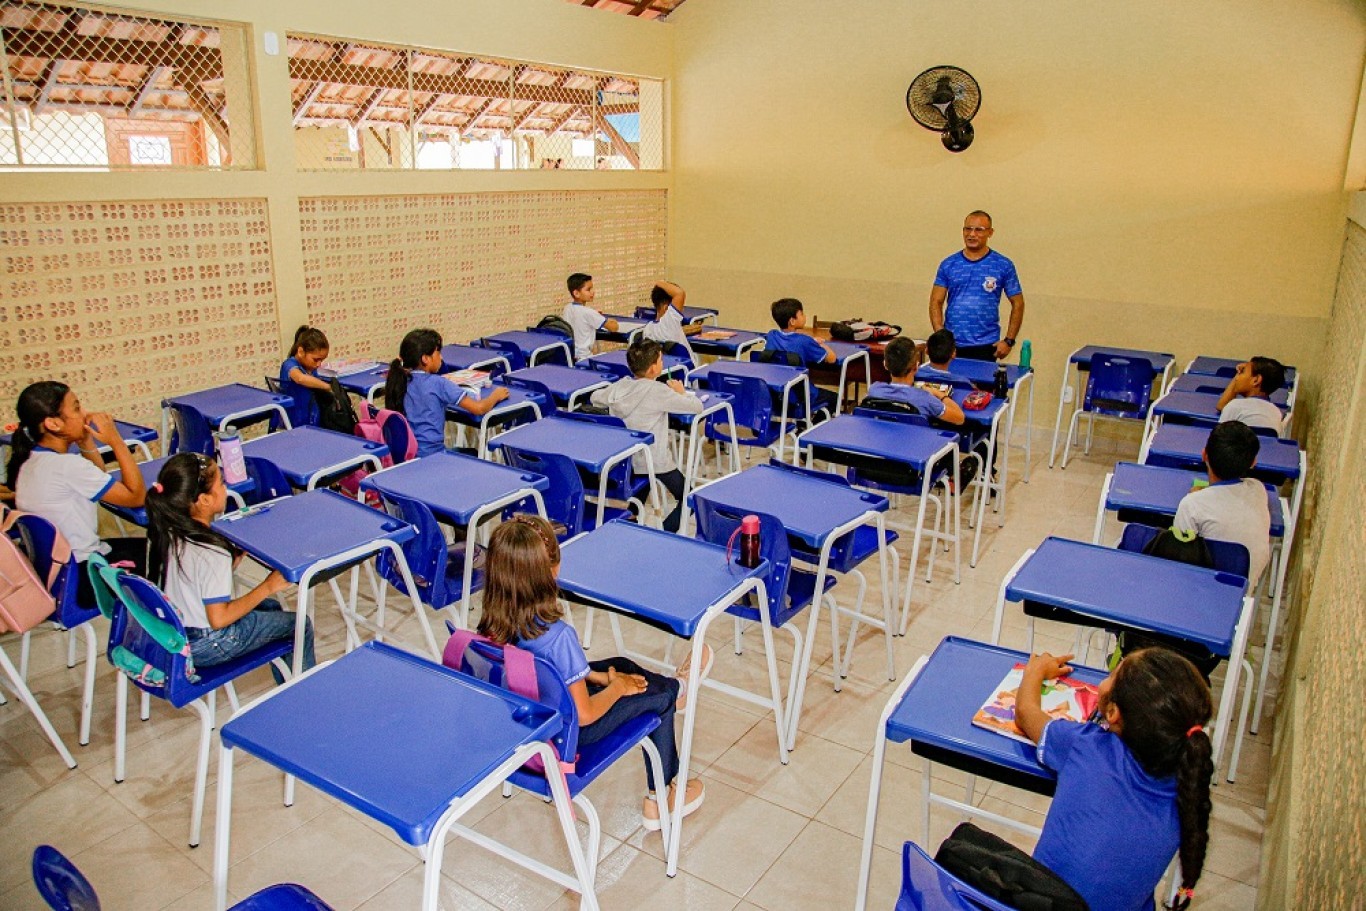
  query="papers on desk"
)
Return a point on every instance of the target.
[
  {"x": 933, "y": 387},
  {"x": 1064, "y": 697},
  {"x": 470, "y": 379},
  {"x": 340, "y": 368},
  {"x": 715, "y": 335}
]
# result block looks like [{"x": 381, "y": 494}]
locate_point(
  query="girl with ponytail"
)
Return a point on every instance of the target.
[
  {"x": 57, "y": 472},
  {"x": 299, "y": 375},
  {"x": 193, "y": 564},
  {"x": 414, "y": 389},
  {"x": 1132, "y": 790}
]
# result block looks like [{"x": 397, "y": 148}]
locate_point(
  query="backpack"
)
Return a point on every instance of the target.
[
  {"x": 25, "y": 601},
  {"x": 370, "y": 424},
  {"x": 1181, "y": 547},
  {"x": 556, "y": 324},
  {"x": 334, "y": 409},
  {"x": 999, "y": 869},
  {"x": 856, "y": 330}
]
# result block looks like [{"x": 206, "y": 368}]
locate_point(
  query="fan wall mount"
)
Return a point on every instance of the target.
[{"x": 945, "y": 99}]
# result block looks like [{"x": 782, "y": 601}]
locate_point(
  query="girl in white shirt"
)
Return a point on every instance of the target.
[
  {"x": 58, "y": 473},
  {"x": 193, "y": 565}
]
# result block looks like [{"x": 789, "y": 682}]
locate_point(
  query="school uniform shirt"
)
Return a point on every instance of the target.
[
  {"x": 799, "y": 343},
  {"x": 586, "y": 322},
  {"x": 305, "y": 408},
  {"x": 668, "y": 329},
  {"x": 425, "y": 406},
  {"x": 1231, "y": 511},
  {"x": 559, "y": 645},
  {"x": 646, "y": 405},
  {"x": 200, "y": 576},
  {"x": 65, "y": 488},
  {"x": 1254, "y": 412},
  {"x": 927, "y": 403},
  {"x": 973, "y": 311},
  {"x": 1112, "y": 828}
]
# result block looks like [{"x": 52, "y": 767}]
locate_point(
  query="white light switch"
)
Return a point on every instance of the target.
[{"x": 272, "y": 43}]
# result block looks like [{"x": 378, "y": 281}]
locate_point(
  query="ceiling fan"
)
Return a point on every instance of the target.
[{"x": 945, "y": 99}]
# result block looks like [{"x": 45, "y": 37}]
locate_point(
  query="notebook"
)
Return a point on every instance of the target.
[
  {"x": 715, "y": 335},
  {"x": 346, "y": 367},
  {"x": 1065, "y": 697},
  {"x": 470, "y": 379}
]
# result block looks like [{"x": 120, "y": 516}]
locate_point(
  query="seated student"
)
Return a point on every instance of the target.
[
  {"x": 1247, "y": 397},
  {"x": 299, "y": 374},
  {"x": 1233, "y": 507},
  {"x": 52, "y": 481},
  {"x": 645, "y": 404},
  {"x": 1145, "y": 768},
  {"x": 940, "y": 350},
  {"x": 583, "y": 318},
  {"x": 900, "y": 357},
  {"x": 667, "y": 328},
  {"x": 790, "y": 316},
  {"x": 414, "y": 389}
]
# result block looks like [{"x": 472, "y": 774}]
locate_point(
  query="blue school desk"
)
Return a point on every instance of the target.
[
  {"x": 614, "y": 362},
  {"x": 1176, "y": 446},
  {"x": 818, "y": 513},
  {"x": 568, "y": 386},
  {"x": 150, "y": 470},
  {"x": 983, "y": 426},
  {"x": 781, "y": 380},
  {"x": 306, "y": 535},
  {"x": 732, "y": 346},
  {"x": 982, "y": 375},
  {"x": 691, "y": 315},
  {"x": 627, "y": 327},
  {"x": 521, "y": 406},
  {"x": 682, "y": 587},
  {"x": 1119, "y": 588},
  {"x": 847, "y": 354},
  {"x": 308, "y": 455},
  {"x": 365, "y": 383},
  {"x": 930, "y": 453},
  {"x": 535, "y": 347},
  {"x": 1195, "y": 382},
  {"x": 1226, "y": 367},
  {"x": 235, "y": 404},
  {"x": 1198, "y": 408},
  {"x": 408, "y": 743},
  {"x": 1079, "y": 362},
  {"x": 469, "y": 357},
  {"x": 932, "y": 711},
  {"x": 595, "y": 448},
  {"x": 462, "y": 491},
  {"x": 693, "y": 426}
]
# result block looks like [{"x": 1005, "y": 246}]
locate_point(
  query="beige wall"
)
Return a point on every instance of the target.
[{"x": 1159, "y": 172}]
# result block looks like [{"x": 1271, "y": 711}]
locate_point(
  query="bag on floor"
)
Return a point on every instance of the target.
[
  {"x": 1004, "y": 872},
  {"x": 25, "y": 601},
  {"x": 856, "y": 330}
]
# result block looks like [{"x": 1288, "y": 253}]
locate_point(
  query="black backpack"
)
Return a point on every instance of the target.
[
  {"x": 996, "y": 867},
  {"x": 1181, "y": 547},
  {"x": 557, "y": 324},
  {"x": 335, "y": 411}
]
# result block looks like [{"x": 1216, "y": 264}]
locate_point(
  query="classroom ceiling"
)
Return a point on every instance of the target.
[{"x": 645, "y": 9}]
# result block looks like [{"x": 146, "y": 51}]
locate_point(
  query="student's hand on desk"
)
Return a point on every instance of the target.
[
  {"x": 625, "y": 684},
  {"x": 677, "y": 386},
  {"x": 499, "y": 393},
  {"x": 1049, "y": 666}
]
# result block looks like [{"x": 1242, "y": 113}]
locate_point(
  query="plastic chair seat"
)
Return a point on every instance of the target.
[
  {"x": 215, "y": 675},
  {"x": 926, "y": 886},
  {"x": 282, "y": 897},
  {"x": 849, "y": 551},
  {"x": 594, "y": 758}
]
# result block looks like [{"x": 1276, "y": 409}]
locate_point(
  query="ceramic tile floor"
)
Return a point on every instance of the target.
[{"x": 768, "y": 836}]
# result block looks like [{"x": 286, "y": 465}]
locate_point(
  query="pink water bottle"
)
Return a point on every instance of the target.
[
  {"x": 230, "y": 457},
  {"x": 749, "y": 542}
]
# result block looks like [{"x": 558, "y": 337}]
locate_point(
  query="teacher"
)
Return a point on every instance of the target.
[{"x": 972, "y": 282}]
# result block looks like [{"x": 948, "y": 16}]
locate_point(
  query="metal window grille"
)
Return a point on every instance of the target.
[{"x": 91, "y": 89}]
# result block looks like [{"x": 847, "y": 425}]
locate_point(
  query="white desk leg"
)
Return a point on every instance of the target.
[
  {"x": 1100, "y": 507},
  {"x": 1062, "y": 397},
  {"x": 684, "y": 758},
  {"x": 222, "y": 825},
  {"x": 1229, "y": 694},
  {"x": 1001, "y": 596},
  {"x": 1029, "y": 427}
]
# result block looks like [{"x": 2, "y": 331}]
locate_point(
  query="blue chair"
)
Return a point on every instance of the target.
[
  {"x": 302, "y": 410},
  {"x": 822, "y": 400},
  {"x": 516, "y": 360},
  {"x": 190, "y": 431},
  {"x": 753, "y": 407},
  {"x": 65, "y": 888},
  {"x": 147, "y": 644},
  {"x": 270, "y": 482},
  {"x": 485, "y": 661},
  {"x": 532, "y": 386},
  {"x": 564, "y": 499},
  {"x": 1117, "y": 388},
  {"x": 439, "y": 569},
  {"x": 1228, "y": 556},
  {"x": 926, "y": 886},
  {"x": 790, "y": 590}
]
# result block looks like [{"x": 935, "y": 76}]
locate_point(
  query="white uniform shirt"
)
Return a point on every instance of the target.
[
  {"x": 1231, "y": 511},
  {"x": 669, "y": 329},
  {"x": 1254, "y": 412},
  {"x": 586, "y": 322},
  {"x": 201, "y": 575},
  {"x": 64, "y": 488}
]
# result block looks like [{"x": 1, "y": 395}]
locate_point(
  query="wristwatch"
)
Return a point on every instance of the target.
[{"x": 1009, "y": 341}]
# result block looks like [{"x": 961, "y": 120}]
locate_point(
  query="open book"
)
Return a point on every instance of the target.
[
  {"x": 715, "y": 335},
  {"x": 346, "y": 367},
  {"x": 470, "y": 379},
  {"x": 1065, "y": 697}
]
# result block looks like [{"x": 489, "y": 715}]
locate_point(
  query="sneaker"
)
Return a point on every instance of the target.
[
  {"x": 682, "y": 674},
  {"x": 692, "y": 799}
]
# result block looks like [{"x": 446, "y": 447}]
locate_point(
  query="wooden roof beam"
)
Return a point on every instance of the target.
[
  {"x": 203, "y": 62},
  {"x": 201, "y": 104},
  {"x": 469, "y": 124},
  {"x": 145, "y": 89},
  {"x": 619, "y": 143},
  {"x": 559, "y": 124},
  {"x": 640, "y": 7},
  {"x": 427, "y": 108},
  {"x": 373, "y": 77},
  {"x": 368, "y": 108},
  {"x": 527, "y": 115},
  {"x": 47, "y": 83}
]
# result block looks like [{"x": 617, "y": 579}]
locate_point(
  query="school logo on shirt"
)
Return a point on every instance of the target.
[{"x": 989, "y": 284}]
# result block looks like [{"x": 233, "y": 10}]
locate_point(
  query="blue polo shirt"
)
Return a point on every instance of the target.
[
  {"x": 973, "y": 313},
  {"x": 559, "y": 645},
  {"x": 798, "y": 343},
  {"x": 425, "y": 407},
  {"x": 305, "y": 407}
]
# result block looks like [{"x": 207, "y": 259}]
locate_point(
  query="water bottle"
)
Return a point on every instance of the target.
[
  {"x": 1001, "y": 386},
  {"x": 749, "y": 542},
  {"x": 230, "y": 457},
  {"x": 1026, "y": 353}
]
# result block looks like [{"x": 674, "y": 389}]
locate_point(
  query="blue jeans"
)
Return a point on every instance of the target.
[
  {"x": 659, "y": 698},
  {"x": 268, "y": 622}
]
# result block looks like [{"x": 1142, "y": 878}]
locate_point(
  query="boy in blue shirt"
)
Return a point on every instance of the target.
[
  {"x": 790, "y": 316},
  {"x": 900, "y": 357},
  {"x": 940, "y": 350}
]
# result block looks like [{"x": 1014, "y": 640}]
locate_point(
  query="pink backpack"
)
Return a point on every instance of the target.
[
  {"x": 25, "y": 601},
  {"x": 370, "y": 424}
]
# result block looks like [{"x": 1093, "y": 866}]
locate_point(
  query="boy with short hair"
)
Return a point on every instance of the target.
[
  {"x": 790, "y": 316},
  {"x": 1233, "y": 507},
  {"x": 940, "y": 350},
  {"x": 668, "y": 327},
  {"x": 1247, "y": 397},
  {"x": 645, "y": 404},
  {"x": 584, "y": 320},
  {"x": 900, "y": 357}
]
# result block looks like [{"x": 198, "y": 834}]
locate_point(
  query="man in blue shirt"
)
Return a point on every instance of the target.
[{"x": 972, "y": 282}]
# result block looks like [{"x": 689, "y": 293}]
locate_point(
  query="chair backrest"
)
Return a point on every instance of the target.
[
  {"x": 717, "y": 523},
  {"x": 1119, "y": 386},
  {"x": 270, "y": 481},
  {"x": 52, "y": 559},
  {"x": 588, "y": 417},
  {"x": 504, "y": 347},
  {"x": 1226, "y": 556},
  {"x": 891, "y": 410},
  {"x": 61, "y": 885},
  {"x": 539, "y": 388},
  {"x": 564, "y": 498},
  {"x": 425, "y": 553},
  {"x": 751, "y": 402},
  {"x": 676, "y": 349},
  {"x": 147, "y": 636},
  {"x": 273, "y": 384},
  {"x": 926, "y": 886},
  {"x": 190, "y": 432},
  {"x": 770, "y": 356},
  {"x": 380, "y": 425}
]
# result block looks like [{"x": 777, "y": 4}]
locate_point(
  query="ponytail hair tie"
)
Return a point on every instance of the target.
[
  {"x": 158, "y": 488},
  {"x": 1187, "y": 893},
  {"x": 1195, "y": 729}
]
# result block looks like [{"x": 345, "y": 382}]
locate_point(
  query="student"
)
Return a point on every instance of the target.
[
  {"x": 299, "y": 375},
  {"x": 193, "y": 564},
  {"x": 1248, "y": 395},
  {"x": 667, "y": 327},
  {"x": 583, "y": 318},
  {"x": 645, "y": 404},
  {"x": 1233, "y": 507},
  {"x": 1145, "y": 768},
  {"x": 940, "y": 350},
  {"x": 790, "y": 316},
  {"x": 522, "y": 608},
  {"x": 62, "y": 486},
  {"x": 900, "y": 357},
  {"x": 414, "y": 389}
]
